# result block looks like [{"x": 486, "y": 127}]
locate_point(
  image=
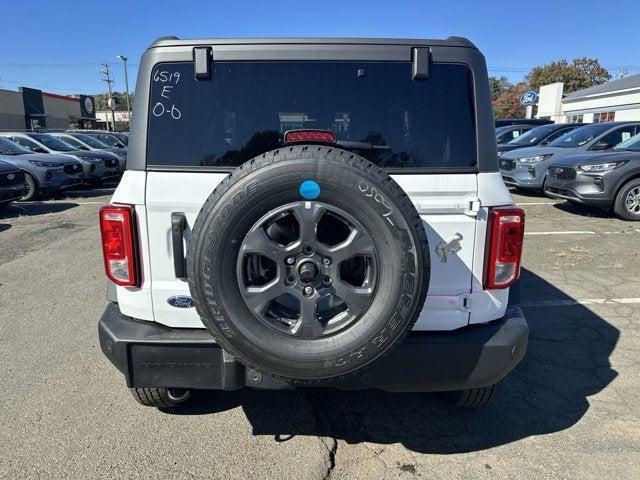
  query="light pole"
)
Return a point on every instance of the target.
[{"x": 126, "y": 84}]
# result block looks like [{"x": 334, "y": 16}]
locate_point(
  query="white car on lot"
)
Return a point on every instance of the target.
[{"x": 323, "y": 212}]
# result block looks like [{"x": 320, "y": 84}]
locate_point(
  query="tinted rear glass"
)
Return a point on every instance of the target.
[{"x": 245, "y": 107}]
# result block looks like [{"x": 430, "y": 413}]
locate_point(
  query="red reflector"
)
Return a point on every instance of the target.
[
  {"x": 118, "y": 249},
  {"x": 504, "y": 250},
  {"x": 296, "y": 136}
]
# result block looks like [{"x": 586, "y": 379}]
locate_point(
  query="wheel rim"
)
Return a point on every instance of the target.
[
  {"x": 29, "y": 183},
  {"x": 632, "y": 201},
  {"x": 308, "y": 270}
]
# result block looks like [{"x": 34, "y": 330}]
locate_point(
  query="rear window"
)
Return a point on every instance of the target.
[{"x": 245, "y": 107}]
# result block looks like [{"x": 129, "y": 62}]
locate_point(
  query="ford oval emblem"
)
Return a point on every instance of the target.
[
  {"x": 528, "y": 98},
  {"x": 181, "y": 301},
  {"x": 11, "y": 176}
]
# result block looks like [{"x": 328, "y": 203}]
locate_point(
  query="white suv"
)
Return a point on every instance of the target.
[{"x": 323, "y": 212}]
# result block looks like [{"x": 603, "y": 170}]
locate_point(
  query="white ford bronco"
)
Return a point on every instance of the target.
[{"x": 312, "y": 212}]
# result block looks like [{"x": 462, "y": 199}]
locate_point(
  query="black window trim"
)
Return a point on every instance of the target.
[
  {"x": 151, "y": 167},
  {"x": 441, "y": 52}
]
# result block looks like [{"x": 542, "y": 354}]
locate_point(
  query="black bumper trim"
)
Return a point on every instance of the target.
[{"x": 152, "y": 355}]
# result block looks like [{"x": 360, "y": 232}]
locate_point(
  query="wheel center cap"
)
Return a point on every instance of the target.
[{"x": 308, "y": 272}]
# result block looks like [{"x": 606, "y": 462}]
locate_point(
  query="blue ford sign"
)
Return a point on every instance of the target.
[{"x": 528, "y": 98}]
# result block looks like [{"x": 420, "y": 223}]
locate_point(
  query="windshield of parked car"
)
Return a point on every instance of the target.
[
  {"x": 73, "y": 142},
  {"x": 7, "y": 147},
  {"x": 107, "y": 139},
  {"x": 52, "y": 142},
  {"x": 632, "y": 144},
  {"x": 124, "y": 138},
  {"x": 580, "y": 136},
  {"x": 533, "y": 136},
  {"x": 89, "y": 140},
  {"x": 374, "y": 108}
]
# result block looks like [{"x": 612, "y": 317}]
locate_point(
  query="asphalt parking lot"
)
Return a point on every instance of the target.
[{"x": 570, "y": 410}]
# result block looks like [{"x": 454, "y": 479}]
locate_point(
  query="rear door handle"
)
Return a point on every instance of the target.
[{"x": 178, "y": 225}]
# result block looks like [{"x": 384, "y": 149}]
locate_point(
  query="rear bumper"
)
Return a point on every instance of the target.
[{"x": 152, "y": 355}]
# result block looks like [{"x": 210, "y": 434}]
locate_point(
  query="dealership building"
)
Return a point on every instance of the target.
[
  {"x": 617, "y": 100},
  {"x": 30, "y": 108}
]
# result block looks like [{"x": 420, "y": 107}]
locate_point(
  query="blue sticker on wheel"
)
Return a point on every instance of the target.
[{"x": 309, "y": 190}]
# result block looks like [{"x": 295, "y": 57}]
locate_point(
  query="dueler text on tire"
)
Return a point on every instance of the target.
[{"x": 308, "y": 263}]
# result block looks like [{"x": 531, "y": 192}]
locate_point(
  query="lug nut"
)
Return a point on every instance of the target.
[
  {"x": 308, "y": 290},
  {"x": 290, "y": 260},
  {"x": 326, "y": 261},
  {"x": 308, "y": 250},
  {"x": 326, "y": 280},
  {"x": 289, "y": 280}
]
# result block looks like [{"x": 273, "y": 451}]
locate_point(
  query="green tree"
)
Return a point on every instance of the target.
[
  {"x": 507, "y": 104},
  {"x": 121, "y": 100},
  {"x": 498, "y": 85},
  {"x": 580, "y": 73}
]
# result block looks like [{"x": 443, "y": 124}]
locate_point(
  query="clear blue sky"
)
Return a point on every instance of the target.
[{"x": 56, "y": 45}]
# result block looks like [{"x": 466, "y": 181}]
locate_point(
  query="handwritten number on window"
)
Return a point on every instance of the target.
[{"x": 168, "y": 81}]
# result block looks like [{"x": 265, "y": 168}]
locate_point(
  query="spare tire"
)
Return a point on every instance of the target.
[{"x": 308, "y": 263}]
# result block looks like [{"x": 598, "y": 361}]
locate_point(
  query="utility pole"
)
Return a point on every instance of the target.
[
  {"x": 110, "y": 102},
  {"x": 623, "y": 72},
  {"x": 126, "y": 83}
]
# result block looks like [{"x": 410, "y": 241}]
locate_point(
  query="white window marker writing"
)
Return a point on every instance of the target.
[{"x": 166, "y": 90}]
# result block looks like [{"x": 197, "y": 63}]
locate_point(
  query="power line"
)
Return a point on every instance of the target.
[{"x": 61, "y": 65}]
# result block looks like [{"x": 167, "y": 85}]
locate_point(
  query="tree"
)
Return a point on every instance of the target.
[
  {"x": 507, "y": 104},
  {"x": 580, "y": 73},
  {"x": 121, "y": 100},
  {"x": 498, "y": 85}
]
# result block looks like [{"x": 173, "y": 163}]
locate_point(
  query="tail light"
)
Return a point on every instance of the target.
[
  {"x": 504, "y": 250},
  {"x": 118, "y": 244},
  {"x": 297, "y": 136}
]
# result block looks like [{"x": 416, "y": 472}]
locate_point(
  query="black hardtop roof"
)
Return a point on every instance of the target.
[{"x": 452, "y": 41}]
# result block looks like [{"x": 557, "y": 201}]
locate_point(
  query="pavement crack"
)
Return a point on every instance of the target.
[{"x": 328, "y": 441}]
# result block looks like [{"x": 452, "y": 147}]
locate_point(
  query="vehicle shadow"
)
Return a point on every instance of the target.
[
  {"x": 583, "y": 210},
  {"x": 567, "y": 361},
  {"x": 84, "y": 193},
  {"x": 23, "y": 209},
  {"x": 4, "y": 226},
  {"x": 524, "y": 192}
]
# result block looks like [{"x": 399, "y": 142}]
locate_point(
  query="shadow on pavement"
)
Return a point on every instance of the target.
[
  {"x": 583, "y": 210},
  {"x": 4, "y": 226},
  {"x": 24, "y": 209},
  {"x": 85, "y": 192},
  {"x": 567, "y": 361}
]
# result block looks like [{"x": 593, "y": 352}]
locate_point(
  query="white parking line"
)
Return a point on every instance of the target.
[
  {"x": 584, "y": 301},
  {"x": 568, "y": 232}
]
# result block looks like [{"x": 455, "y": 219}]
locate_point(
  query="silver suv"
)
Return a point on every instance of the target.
[
  {"x": 98, "y": 167},
  {"x": 44, "y": 173},
  {"x": 527, "y": 167}
]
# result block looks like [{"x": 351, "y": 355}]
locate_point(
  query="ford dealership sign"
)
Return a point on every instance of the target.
[{"x": 528, "y": 98}]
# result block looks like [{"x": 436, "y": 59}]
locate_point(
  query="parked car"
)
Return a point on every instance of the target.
[
  {"x": 607, "y": 179},
  {"x": 266, "y": 239},
  {"x": 527, "y": 167},
  {"x": 502, "y": 122},
  {"x": 97, "y": 167},
  {"x": 510, "y": 132},
  {"x": 44, "y": 173},
  {"x": 82, "y": 141},
  {"x": 12, "y": 184},
  {"x": 112, "y": 139},
  {"x": 542, "y": 135}
]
